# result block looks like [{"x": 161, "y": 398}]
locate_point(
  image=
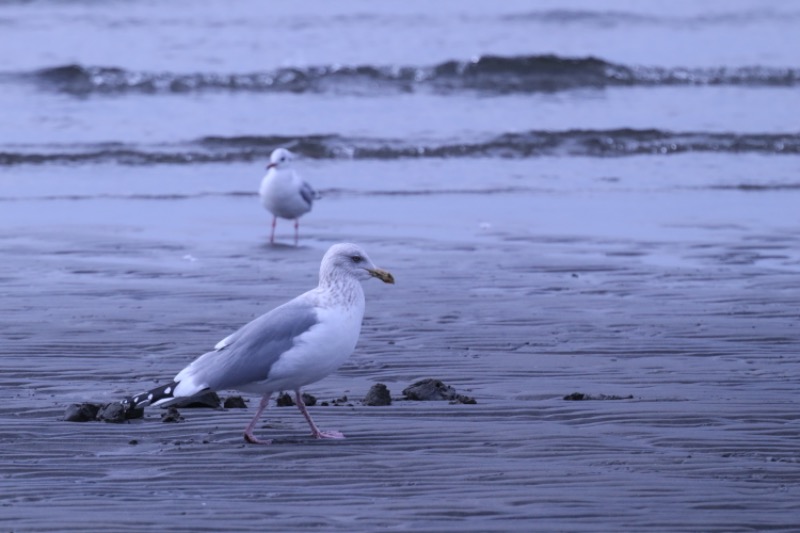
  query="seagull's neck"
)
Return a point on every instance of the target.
[
  {"x": 341, "y": 291},
  {"x": 282, "y": 172}
]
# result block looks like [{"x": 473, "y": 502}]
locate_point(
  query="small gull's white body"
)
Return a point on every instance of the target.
[
  {"x": 294, "y": 345},
  {"x": 283, "y": 193}
]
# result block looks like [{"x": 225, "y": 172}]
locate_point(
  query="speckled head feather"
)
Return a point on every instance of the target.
[{"x": 347, "y": 260}]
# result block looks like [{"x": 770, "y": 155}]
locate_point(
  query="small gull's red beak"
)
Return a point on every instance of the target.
[{"x": 272, "y": 165}]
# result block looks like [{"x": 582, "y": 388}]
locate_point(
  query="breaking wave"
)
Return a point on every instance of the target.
[
  {"x": 485, "y": 74},
  {"x": 588, "y": 143}
]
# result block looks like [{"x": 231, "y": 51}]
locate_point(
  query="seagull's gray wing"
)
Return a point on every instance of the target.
[
  {"x": 248, "y": 354},
  {"x": 308, "y": 193}
]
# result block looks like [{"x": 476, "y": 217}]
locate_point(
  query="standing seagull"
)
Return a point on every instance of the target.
[
  {"x": 296, "y": 344},
  {"x": 283, "y": 193}
]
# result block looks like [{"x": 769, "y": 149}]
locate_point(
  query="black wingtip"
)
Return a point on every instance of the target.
[{"x": 150, "y": 397}]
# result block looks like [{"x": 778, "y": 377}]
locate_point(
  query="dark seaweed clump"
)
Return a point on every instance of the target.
[{"x": 432, "y": 389}]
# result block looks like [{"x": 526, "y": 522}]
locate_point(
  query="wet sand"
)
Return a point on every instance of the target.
[{"x": 702, "y": 332}]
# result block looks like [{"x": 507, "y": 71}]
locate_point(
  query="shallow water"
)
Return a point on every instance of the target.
[{"x": 553, "y": 227}]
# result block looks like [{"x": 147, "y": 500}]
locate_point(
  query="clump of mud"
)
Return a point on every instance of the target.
[
  {"x": 285, "y": 399},
  {"x": 119, "y": 412},
  {"x": 234, "y": 402},
  {"x": 171, "y": 415},
  {"x": 341, "y": 400},
  {"x": 378, "y": 395},
  {"x": 580, "y": 397},
  {"x": 431, "y": 389},
  {"x": 114, "y": 412}
]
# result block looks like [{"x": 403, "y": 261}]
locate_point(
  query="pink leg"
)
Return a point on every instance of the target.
[
  {"x": 248, "y": 432},
  {"x": 315, "y": 432},
  {"x": 272, "y": 235},
  {"x": 296, "y": 231}
]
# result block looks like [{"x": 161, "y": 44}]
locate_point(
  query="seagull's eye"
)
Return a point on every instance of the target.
[{"x": 357, "y": 259}]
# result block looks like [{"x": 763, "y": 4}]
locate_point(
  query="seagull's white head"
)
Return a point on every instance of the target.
[
  {"x": 280, "y": 158},
  {"x": 346, "y": 259}
]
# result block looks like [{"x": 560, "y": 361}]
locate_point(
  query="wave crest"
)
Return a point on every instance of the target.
[
  {"x": 485, "y": 74},
  {"x": 586, "y": 143}
]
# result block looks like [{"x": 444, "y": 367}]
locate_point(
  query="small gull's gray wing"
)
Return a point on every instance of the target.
[
  {"x": 248, "y": 354},
  {"x": 308, "y": 193}
]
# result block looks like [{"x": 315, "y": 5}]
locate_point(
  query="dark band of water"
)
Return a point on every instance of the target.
[
  {"x": 486, "y": 74},
  {"x": 589, "y": 143}
]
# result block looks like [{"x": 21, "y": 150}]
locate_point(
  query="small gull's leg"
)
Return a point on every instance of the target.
[
  {"x": 296, "y": 231},
  {"x": 315, "y": 432},
  {"x": 272, "y": 235},
  {"x": 248, "y": 432}
]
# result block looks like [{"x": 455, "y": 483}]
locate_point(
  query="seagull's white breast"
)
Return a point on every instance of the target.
[{"x": 280, "y": 193}]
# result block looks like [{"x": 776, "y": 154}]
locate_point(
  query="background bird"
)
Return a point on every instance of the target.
[
  {"x": 283, "y": 193},
  {"x": 292, "y": 346}
]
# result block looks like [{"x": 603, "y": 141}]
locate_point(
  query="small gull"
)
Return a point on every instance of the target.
[
  {"x": 294, "y": 345},
  {"x": 283, "y": 193}
]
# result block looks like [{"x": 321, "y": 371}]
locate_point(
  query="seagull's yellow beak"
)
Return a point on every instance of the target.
[{"x": 382, "y": 275}]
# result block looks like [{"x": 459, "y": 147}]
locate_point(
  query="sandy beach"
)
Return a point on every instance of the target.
[{"x": 706, "y": 350}]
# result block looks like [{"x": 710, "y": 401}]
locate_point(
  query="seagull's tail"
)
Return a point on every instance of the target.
[{"x": 158, "y": 396}]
